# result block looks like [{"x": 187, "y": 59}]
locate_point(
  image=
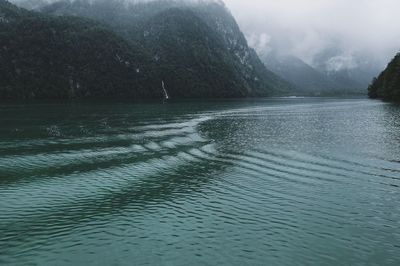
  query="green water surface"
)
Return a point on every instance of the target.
[{"x": 251, "y": 182}]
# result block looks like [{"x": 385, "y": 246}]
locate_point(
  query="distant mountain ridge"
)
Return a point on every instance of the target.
[
  {"x": 196, "y": 48},
  {"x": 293, "y": 69},
  {"x": 309, "y": 80}
]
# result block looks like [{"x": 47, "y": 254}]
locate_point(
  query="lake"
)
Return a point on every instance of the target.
[{"x": 242, "y": 182}]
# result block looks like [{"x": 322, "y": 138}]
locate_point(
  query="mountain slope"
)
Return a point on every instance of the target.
[
  {"x": 202, "y": 60},
  {"x": 217, "y": 32},
  {"x": 351, "y": 72},
  {"x": 309, "y": 80},
  {"x": 257, "y": 75},
  {"x": 387, "y": 85},
  {"x": 65, "y": 57}
]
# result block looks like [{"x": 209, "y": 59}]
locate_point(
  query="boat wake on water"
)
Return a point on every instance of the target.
[{"x": 274, "y": 172}]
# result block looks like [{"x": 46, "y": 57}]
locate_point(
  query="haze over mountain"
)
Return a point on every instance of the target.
[
  {"x": 194, "y": 47},
  {"x": 348, "y": 42},
  {"x": 308, "y": 79}
]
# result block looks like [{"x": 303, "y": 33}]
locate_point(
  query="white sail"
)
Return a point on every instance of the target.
[{"x": 165, "y": 91}]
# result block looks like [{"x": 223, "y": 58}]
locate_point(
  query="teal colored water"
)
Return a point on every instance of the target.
[{"x": 255, "y": 182}]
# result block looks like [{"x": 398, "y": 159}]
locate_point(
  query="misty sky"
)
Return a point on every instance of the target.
[
  {"x": 306, "y": 27},
  {"x": 346, "y": 32}
]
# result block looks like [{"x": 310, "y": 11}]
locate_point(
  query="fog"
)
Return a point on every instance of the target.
[{"x": 307, "y": 28}]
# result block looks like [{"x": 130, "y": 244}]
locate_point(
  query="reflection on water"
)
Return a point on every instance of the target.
[{"x": 256, "y": 182}]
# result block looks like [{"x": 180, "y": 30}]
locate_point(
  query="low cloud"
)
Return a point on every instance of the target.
[
  {"x": 306, "y": 28},
  {"x": 261, "y": 43},
  {"x": 341, "y": 62}
]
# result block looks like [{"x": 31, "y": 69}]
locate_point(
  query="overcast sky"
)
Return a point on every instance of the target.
[{"x": 306, "y": 27}]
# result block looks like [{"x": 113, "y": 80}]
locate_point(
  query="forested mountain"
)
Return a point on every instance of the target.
[
  {"x": 387, "y": 85},
  {"x": 209, "y": 40},
  {"x": 112, "y": 48},
  {"x": 68, "y": 57}
]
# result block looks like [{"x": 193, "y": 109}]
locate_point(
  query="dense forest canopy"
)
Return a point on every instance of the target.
[
  {"x": 387, "y": 85},
  {"x": 95, "y": 49}
]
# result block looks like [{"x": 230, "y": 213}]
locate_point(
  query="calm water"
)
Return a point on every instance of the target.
[{"x": 267, "y": 182}]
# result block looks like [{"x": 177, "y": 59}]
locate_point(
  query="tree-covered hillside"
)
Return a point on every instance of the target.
[
  {"x": 186, "y": 50},
  {"x": 234, "y": 63},
  {"x": 387, "y": 85},
  {"x": 68, "y": 57},
  {"x": 113, "y": 48}
]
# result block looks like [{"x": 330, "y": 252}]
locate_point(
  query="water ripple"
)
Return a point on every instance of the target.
[{"x": 266, "y": 182}]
